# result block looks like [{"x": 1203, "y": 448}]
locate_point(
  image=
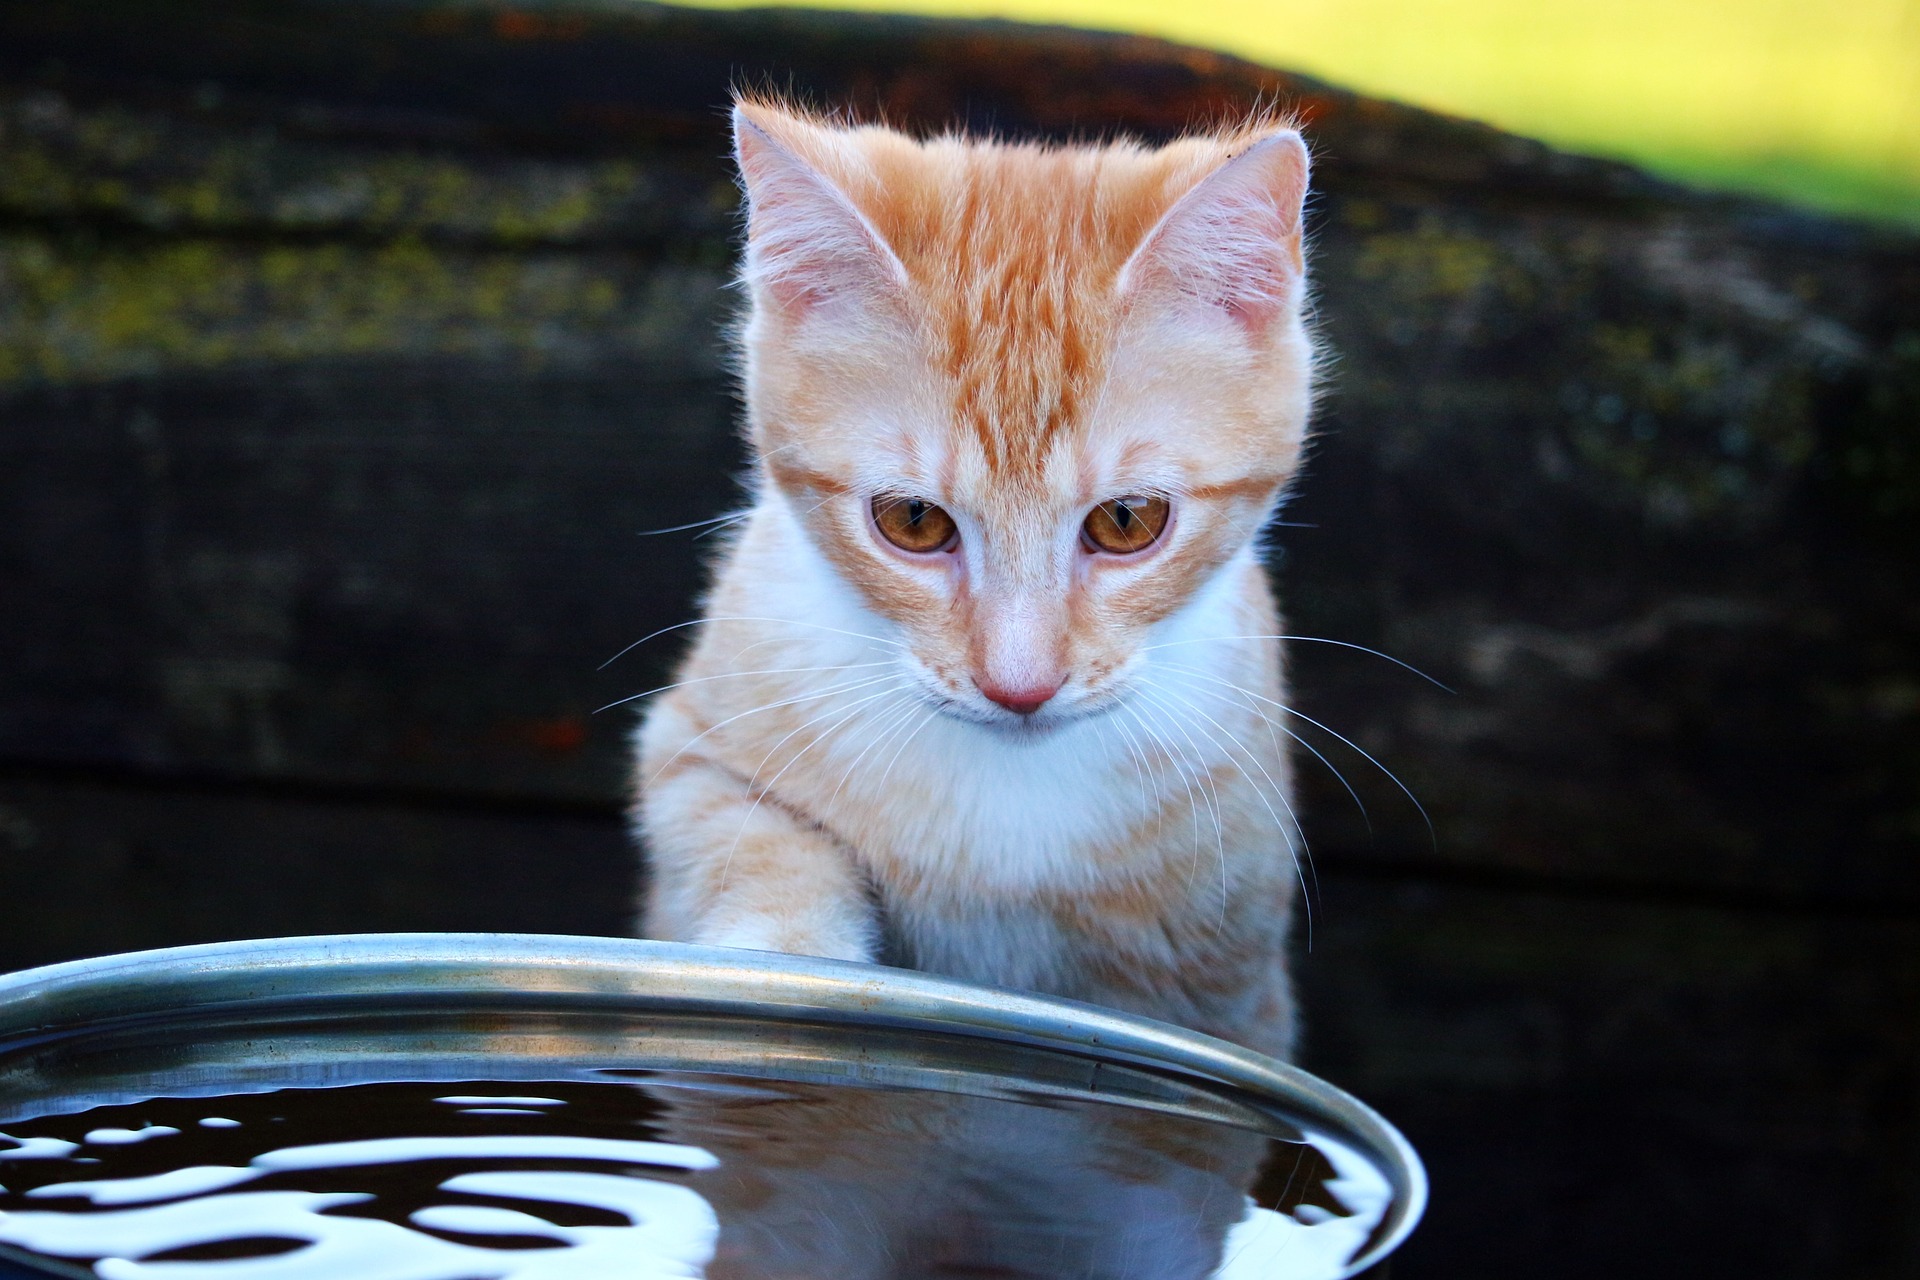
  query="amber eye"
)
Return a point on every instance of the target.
[
  {"x": 1125, "y": 525},
  {"x": 913, "y": 524}
]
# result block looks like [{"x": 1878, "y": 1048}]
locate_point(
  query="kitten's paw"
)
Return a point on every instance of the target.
[{"x": 794, "y": 938}]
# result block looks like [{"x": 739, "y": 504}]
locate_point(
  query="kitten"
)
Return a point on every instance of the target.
[{"x": 989, "y": 681}]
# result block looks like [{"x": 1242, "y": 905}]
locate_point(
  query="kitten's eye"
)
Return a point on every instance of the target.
[
  {"x": 1125, "y": 525},
  {"x": 913, "y": 524}
]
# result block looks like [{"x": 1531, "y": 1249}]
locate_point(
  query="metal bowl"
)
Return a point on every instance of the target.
[{"x": 246, "y": 1017}]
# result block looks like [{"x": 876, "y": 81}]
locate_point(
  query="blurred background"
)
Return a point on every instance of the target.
[
  {"x": 348, "y": 349},
  {"x": 1810, "y": 102}
]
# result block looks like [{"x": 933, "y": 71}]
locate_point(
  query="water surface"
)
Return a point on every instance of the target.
[{"x": 642, "y": 1174}]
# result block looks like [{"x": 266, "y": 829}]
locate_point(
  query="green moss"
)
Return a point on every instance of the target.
[
  {"x": 1876, "y": 449},
  {"x": 1695, "y": 422},
  {"x": 170, "y": 171},
  {"x": 73, "y": 312},
  {"x": 1428, "y": 264}
]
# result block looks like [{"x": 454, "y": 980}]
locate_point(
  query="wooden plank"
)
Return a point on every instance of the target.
[
  {"x": 1636, "y": 493},
  {"x": 343, "y": 349},
  {"x": 188, "y": 163},
  {"x": 1622, "y": 1087},
  {"x": 395, "y": 575},
  {"x": 90, "y": 868},
  {"x": 588, "y": 76}
]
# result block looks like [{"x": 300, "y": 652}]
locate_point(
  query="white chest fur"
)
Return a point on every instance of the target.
[{"x": 1002, "y": 813}]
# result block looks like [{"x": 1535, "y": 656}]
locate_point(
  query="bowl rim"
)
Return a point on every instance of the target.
[{"x": 342, "y": 972}]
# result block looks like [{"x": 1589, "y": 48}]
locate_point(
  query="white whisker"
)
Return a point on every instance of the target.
[
  {"x": 1218, "y": 807},
  {"x": 1292, "y": 821},
  {"x": 911, "y": 735},
  {"x": 731, "y": 517},
  {"x": 1208, "y": 791},
  {"x": 753, "y": 782},
  {"x": 898, "y": 716},
  {"x": 1305, "y": 851},
  {"x": 1273, "y": 726},
  {"x": 790, "y": 622},
  {"x": 830, "y": 691},
  {"x": 760, "y": 793},
  {"x": 1171, "y": 750},
  {"x": 1343, "y": 644},
  {"x": 1133, "y": 753},
  {"x": 732, "y": 675},
  {"x": 1367, "y": 755}
]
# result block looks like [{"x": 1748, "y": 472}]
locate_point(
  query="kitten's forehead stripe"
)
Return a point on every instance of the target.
[{"x": 1015, "y": 252}]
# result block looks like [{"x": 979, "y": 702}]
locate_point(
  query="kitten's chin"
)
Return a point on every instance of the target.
[
  {"x": 1007, "y": 725},
  {"x": 1033, "y": 727}
]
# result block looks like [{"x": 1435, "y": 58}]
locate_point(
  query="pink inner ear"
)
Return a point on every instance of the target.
[
  {"x": 807, "y": 246},
  {"x": 1233, "y": 242}
]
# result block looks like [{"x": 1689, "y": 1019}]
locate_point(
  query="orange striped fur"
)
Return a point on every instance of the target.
[{"x": 853, "y": 764}]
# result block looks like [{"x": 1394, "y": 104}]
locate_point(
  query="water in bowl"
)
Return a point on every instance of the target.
[{"x": 638, "y": 1174}]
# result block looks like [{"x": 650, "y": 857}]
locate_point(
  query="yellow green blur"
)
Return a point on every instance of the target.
[{"x": 1800, "y": 99}]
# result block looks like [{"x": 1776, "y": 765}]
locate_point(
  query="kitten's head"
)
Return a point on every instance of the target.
[{"x": 1028, "y": 401}]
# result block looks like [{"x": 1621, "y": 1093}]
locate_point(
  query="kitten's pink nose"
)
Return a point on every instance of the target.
[{"x": 1024, "y": 701}]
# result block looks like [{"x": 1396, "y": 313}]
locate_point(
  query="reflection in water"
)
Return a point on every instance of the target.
[
  {"x": 673, "y": 1176},
  {"x": 1313, "y": 1240},
  {"x": 854, "y": 1185}
]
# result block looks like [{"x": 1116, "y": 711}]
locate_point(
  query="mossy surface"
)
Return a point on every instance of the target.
[
  {"x": 76, "y": 310},
  {"x": 195, "y": 169},
  {"x": 1597, "y": 451}
]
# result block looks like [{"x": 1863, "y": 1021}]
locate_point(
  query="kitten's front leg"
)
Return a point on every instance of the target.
[{"x": 728, "y": 869}]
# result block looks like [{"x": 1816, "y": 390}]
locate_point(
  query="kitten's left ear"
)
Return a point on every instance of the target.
[
  {"x": 809, "y": 249},
  {"x": 1232, "y": 243}
]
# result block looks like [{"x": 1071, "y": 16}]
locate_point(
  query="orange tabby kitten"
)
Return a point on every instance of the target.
[{"x": 988, "y": 681}]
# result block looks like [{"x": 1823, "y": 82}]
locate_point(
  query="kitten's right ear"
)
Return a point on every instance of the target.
[
  {"x": 809, "y": 248},
  {"x": 1231, "y": 245}
]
